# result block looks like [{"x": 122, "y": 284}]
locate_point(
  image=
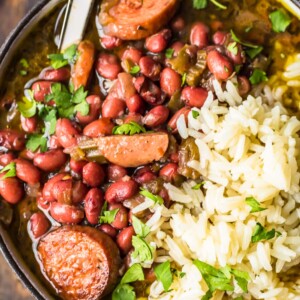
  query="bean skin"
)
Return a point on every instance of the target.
[
  {"x": 39, "y": 224},
  {"x": 66, "y": 133},
  {"x": 94, "y": 102},
  {"x": 156, "y": 116},
  {"x": 12, "y": 139},
  {"x": 109, "y": 230},
  {"x": 132, "y": 54},
  {"x": 144, "y": 175},
  {"x": 77, "y": 166},
  {"x": 62, "y": 191},
  {"x": 219, "y": 37},
  {"x": 108, "y": 66},
  {"x": 159, "y": 41},
  {"x": 177, "y": 46},
  {"x": 27, "y": 172},
  {"x": 66, "y": 214},
  {"x": 135, "y": 104},
  {"x": 41, "y": 89},
  {"x": 170, "y": 81},
  {"x": 121, "y": 219},
  {"x": 133, "y": 117},
  {"x": 53, "y": 142},
  {"x": 11, "y": 189},
  {"x": 100, "y": 127},
  {"x": 29, "y": 125},
  {"x": 57, "y": 75},
  {"x": 244, "y": 85},
  {"x": 124, "y": 239},
  {"x": 93, "y": 203},
  {"x": 6, "y": 159},
  {"x": 172, "y": 124},
  {"x": 177, "y": 24},
  {"x": 79, "y": 191},
  {"x": 194, "y": 97},
  {"x": 199, "y": 35},
  {"x": 93, "y": 174},
  {"x": 42, "y": 203},
  {"x": 48, "y": 187},
  {"x": 110, "y": 42},
  {"x": 169, "y": 172},
  {"x": 150, "y": 68},
  {"x": 115, "y": 172},
  {"x": 51, "y": 160},
  {"x": 219, "y": 65},
  {"x": 113, "y": 108},
  {"x": 121, "y": 190}
]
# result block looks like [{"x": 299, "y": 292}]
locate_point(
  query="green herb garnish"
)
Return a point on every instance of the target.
[
  {"x": 236, "y": 39},
  {"x": 37, "y": 141},
  {"x": 280, "y": 20},
  {"x": 253, "y": 52},
  {"x": 169, "y": 53},
  {"x": 198, "y": 186},
  {"x": 155, "y": 198},
  {"x": 183, "y": 79},
  {"x": 200, "y": 4},
  {"x": 124, "y": 292},
  {"x": 260, "y": 233},
  {"x": 10, "y": 169},
  {"x": 258, "y": 76},
  {"x": 108, "y": 216},
  {"x": 142, "y": 249},
  {"x": 135, "y": 70},
  {"x": 69, "y": 56},
  {"x": 141, "y": 229},
  {"x": 195, "y": 114},
  {"x": 134, "y": 273},
  {"x": 164, "y": 275},
  {"x": 254, "y": 204},
  {"x": 233, "y": 48},
  {"x": 129, "y": 129}
]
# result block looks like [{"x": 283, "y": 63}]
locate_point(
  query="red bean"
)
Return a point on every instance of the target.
[
  {"x": 133, "y": 55},
  {"x": 66, "y": 214},
  {"x": 93, "y": 174},
  {"x": 53, "y": 142},
  {"x": 66, "y": 133},
  {"x": 93, "y": 203},
  {"x": 133, "y": 117},
  {"x": 98, "y": 128},
  {"x": 42, "y": 203},
  {"x": 94, "y": 102},
  {"x": 62, "y": 191},
  {"x": 48, "y": 187},
  {"x": 135, "y": 104},
  {"x": 173, "y": 121},
  {"x": 41, "y": 89},
  {"x": 177, "y": 46},
  {"x": 237, "y": 55},
  {"x": 79, "y": 191},
  {"x": 39, "y": 224},
  {"x": 158, "y": 42},
  {"x": 110, "y": 42},
  {"x": 156, "y": 116},
  {"x": 113, "y": 108},
  {"x": 27, "y": 172},
  {"x": 177, "y": 24},
  {"x": 12, "y": 139},
  {"x": 150, "y": 68},
  {"x": 108, "y": 66},
  {"x": 51, "y": 160},
  {"x": 121, "y": 218},
  {"x": 29, "y": 125},
  {"x": 144, "y": 175},
  {"x": 194, "y": 97},
  {"x": 169, "y": 172},
  {"x": 170, "y": 81},
  {"x": 57, "y": 75},
  {"x": 125, "y": 87},
  {"x": 109, "y": 230},
  {"x": 115, "y": 172},
  {"x": 124, "y": 239},
  {"x": 174, "y": 157},
  {"x": 199, "y": 35},
  {"x": 121, "y": 190},
  {"x": 244, "y": 85},
  {"x": 6, "y": 159},
  {"x": 219, "y": 37},
  {"x": 27, "y": 154},
  {"x": 77, "y": 165},
  {"x": 165, "y": 195},
  {"x": 219, "y": 65},
  {"x": 11, "y": 189}
]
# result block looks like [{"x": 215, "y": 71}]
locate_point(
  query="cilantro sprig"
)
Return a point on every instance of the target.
[
  {"x": 260, "y": 233},
  {"x": 10, "y": 170},
  {"x": 35, "y": 142},
  {"x": 140, "y": 228},
  {"x": 69, "y": 56},
  {"x": 155, "y": 198},
  {"x": 129, "y": 129},
  {"x": 164, "y": 274},
  {"x": 254, "y": 204},
  {"x": 258, "y": 76},
  {"x": 200, "y": 4},
  {"x": 280, "y": 20}
]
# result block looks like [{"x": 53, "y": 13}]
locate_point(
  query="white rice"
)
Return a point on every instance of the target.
[{"x": 250, "y": 149}]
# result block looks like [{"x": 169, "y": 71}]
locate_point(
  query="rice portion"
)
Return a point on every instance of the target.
[{"x": 247, "y": 150}]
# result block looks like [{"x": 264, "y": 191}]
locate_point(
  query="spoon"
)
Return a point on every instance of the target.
[{"x": 293, "y": 6}]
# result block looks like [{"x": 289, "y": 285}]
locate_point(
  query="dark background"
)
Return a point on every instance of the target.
[{"x": 11, "y": 11}]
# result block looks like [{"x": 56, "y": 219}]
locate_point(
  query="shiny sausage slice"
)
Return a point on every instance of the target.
[
  {"x": 133, "y": 151},
  {"x": 81, "y": 262},
  {"x": 84, "y": 64},
  {"x": 135, "y": 19}
]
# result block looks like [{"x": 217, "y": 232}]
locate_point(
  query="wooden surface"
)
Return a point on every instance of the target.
[{"x": 11, "y": 11}]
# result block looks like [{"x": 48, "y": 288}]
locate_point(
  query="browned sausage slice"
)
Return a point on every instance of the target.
[
  {"x": 84, "y": 64},
  {"x": 132, "y": 151},
  {"x": 135, "y": 19},
  {"x": 81, "y": 262}
]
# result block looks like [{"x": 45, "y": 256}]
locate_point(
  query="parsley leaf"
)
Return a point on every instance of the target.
[
  {"x": 236, "y": 39},
  {"x": 27, "y": 107},
  {"x": 108, "y": 216},
  {"x": 242, "y": 279},
  {"x": 195, "y": 114},
  {"x": 232, "y": 47},
  {"x": 218, "y": 4},
  {"x": 123, "y": 292},
  {"x": 62, "y": 59},
  {"x": 24, "y": 63},
  {"x": 36, "y": 141},
  {"x": 164, "y": 274},
  {"x": 134, "y": 70},
  {"x": 134, "y": 273},
  {"x": 198, "y": 186},
  {"x": 183, "y": 79},
  {"x": 155, "y": 198},
  {"x": 83, "y": 108},
  {"x": 254, "y": 204},
  {"x": 169, "y": 53},
  {"x": 140, "y": 228},
  {"x": 280, "y": 20},
  {"x": 253, "y": 52},
  {"x": 199, "y": 4},
  {"x": 79, "y": 95},
  {"x": 142, "y": 249},
  {"x": 129, "y": 129},
  {"x": 50, "y": 121},
  {"x": 258, "y": 76},
  {"x": 260, "y": 233},
  {"x": 10, "y": 169}
]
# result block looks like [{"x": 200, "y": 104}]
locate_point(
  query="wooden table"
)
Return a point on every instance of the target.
[{"x": 11, "y": 11}]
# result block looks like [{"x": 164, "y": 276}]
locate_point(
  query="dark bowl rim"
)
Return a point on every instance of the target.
[{"x": 14, "y": 35}]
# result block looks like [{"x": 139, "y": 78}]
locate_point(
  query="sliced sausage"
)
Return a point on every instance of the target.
[
  {"x": 133, "y": 151},
  {"x": 80, "y": 261},
  {"x": 135, "y": 20},
  {"x": 84, "y": 64}
]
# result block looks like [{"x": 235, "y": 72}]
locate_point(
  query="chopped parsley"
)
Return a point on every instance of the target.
[
  {"x": 280, "y": 20},
  {"x": 35, "y": 142},
  {"x": 169, "y": 53},
  {"x": 260, "y": 233},
  {"x": 129, "y": 129},
  {"x": 253, "y": 52},
  {"x": 134, "y": 70},
  {"x": 258, "y": 76},
  {"x": 142, "y": 250},
  {"x": 164, "y": 274},
  {"x": 134, "y": 273},
  {"x": 183, "y": 79},
  {"x": 195, "y": 114},
  {"x": 254, "y": 204},
  {"x": 108, "y": 216},
  {"x": 155, "y": 198},
  {"x": 124, "y": 292},
  {"x": 141, "y": 229},
  {"x": 69, "y": 56},
  {"x": 10, "y": 169},
  {"x": 233, "y": 48},
  {"x": 198, "y": 186},
  {"x": 27, "y": 107},
  {"x": 236, "y": 39},
  {"x": 200, "y": 4}
]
